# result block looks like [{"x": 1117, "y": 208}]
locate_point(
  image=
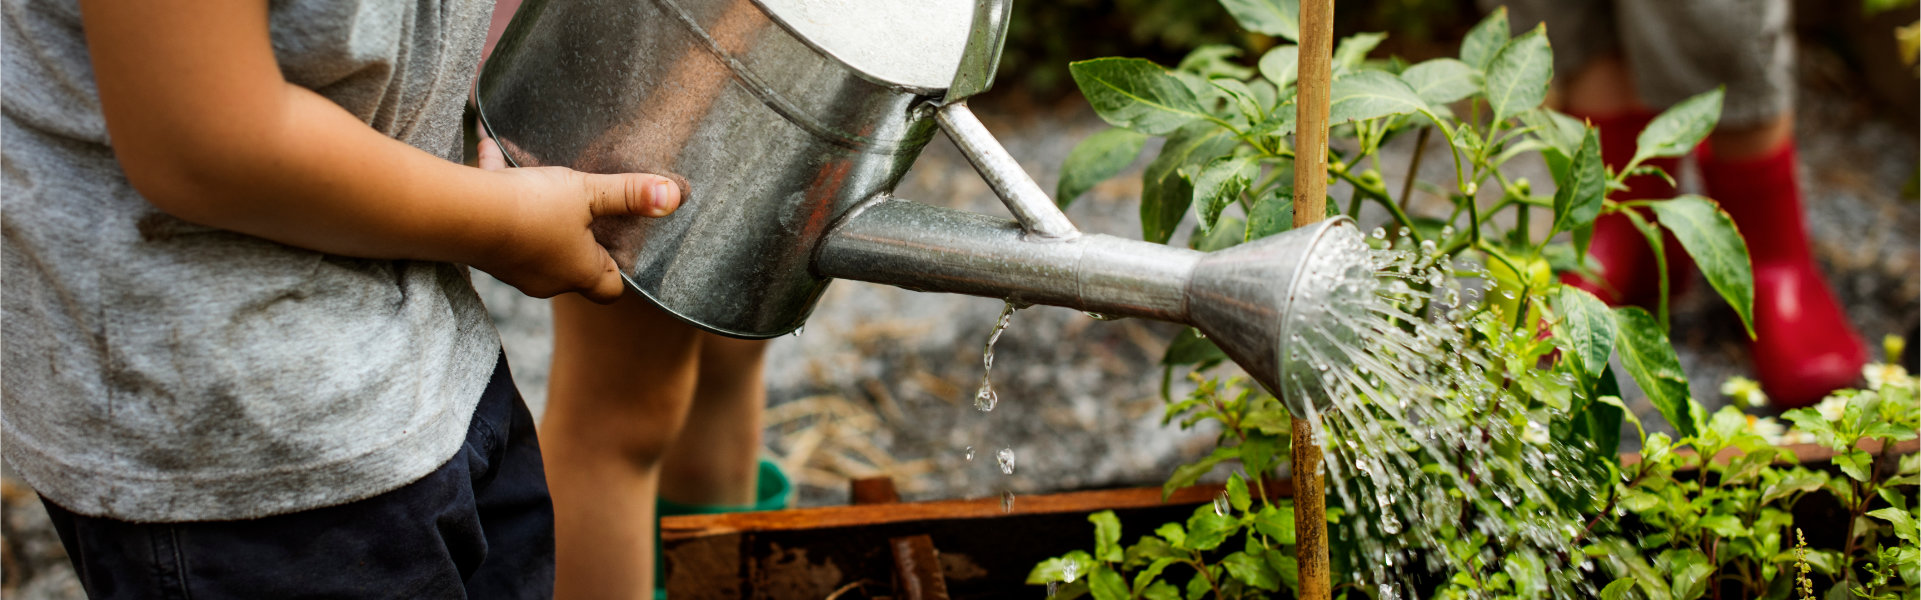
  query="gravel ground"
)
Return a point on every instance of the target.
[{"x": 881, "y": 380}]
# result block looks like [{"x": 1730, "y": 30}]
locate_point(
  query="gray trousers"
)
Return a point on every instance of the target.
[{"x": 1677, "y": 48}]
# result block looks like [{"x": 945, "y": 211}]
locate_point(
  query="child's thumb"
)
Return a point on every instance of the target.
[{"x": 633, "y": 194}]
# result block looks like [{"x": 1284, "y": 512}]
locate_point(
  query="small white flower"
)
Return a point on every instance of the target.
[
  {"x": 1768, "y": 428},
  {"x": 1881, "y": 374},
  {"x": 1797, "y": 436},
  {"x": 1832, "y": 408},
  {"x": 1744, "y": 390}
]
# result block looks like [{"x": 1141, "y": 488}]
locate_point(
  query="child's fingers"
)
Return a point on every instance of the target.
[
  {"x": 489, "y": 155},
  {"x": 632, "y": 194},
  {"x": 609, "y": 286}
]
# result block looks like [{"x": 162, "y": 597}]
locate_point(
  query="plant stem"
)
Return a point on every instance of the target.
[
  {"x": 1201, "y": 566},
  {"x": 1381, "y": 197},
  {"x": 1414, "y": 166}
]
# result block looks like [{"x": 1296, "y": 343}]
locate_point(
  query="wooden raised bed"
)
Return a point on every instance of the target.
[{"x": 861, "y": 550}]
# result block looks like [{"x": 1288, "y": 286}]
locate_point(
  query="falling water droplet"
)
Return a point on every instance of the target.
[
  {"x": 1070, "y": 571},
  {"x": 1221, "y": 505},
  {"x": 969, "y": 453},
  {"x": 985, "y": 398},
  {"x": 1379, "y": 233},
  {"x": 1006, "y": 459},
  {"x": 1007, "y": 501},
  {"x": 1053, "y": 588},
  {"x": 798, "y": 330},
  {"x": 1099, "y": 317}
]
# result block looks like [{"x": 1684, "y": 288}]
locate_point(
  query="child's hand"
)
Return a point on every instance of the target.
[{"x": 549, "y": 249}]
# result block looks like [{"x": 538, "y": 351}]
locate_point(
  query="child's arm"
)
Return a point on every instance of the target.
[{"x": 208, "y": 131}]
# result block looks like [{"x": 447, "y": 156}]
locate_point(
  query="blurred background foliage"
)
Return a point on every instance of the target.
[{"x": 1853, "y": 41}]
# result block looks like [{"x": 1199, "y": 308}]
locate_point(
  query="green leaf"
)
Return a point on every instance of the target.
[
  {"x": 1237, "y": 493},
  {"x": 1905, "y": 526},
  {"x": 1442, "y": 80},
  {"x": 1165, "y": 192},
  {"x": 1136, "y": 94},
  {"x": 1679, "y": 128},
  {"x": 1055, "y": 569},
  {"x": 1578, "y": 199},
  {"x": 1589, "y": 329},
  {"x": 1709, "y": 235},
  {"x": 1230, "y": 231},
  {"x": 1279, "y": 18},
  {"x": 1288, "y": 567},
  {"x": 1220, "y": 183},
  {"x": 1690, "y": 570},
  {"x": 1281, "y": 64},
  {"x": 1252, "y": 571},
  {"x": 1797, "y": 481},
  {"x": 1206, "y": 529},
  {"x": 1259, "y": 450},
  {"x": 1276, "y": 521},
  {"x": 1143, "y": 579},
  {"x": 1601, "y": 421},
  {"x": 1190, "y": 348},
  {"x": 1215, "y": 60},
  {"x": 1353, "y": 49},
  {"x": 1106, "y": 584},
  {"x": 1273, "y": 212},
  {"x": 1554, "y": 128},
  {"x": 1095, "y": 159},
  {"x": 1618, "y": 590},
  {"x": 1107, "y": 536},
  {"x": 1162, "y": 590},
  {"x": 1517, "y": 77},
  {"x": 1857, "y": 464},
  {"x": 1174, "y": 534},
  {"x": 1186, "y": 475},
  {"x": 1361, "y": 95},
  {"x": 1485, "y": 39},
  {"x": 1724, "y": 525},
  {"x": 1650, "y": 359}
]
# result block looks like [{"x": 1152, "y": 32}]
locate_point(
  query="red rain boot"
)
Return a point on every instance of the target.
[
  {"x": 1627, "y": 263},
  {"x": 1803, "y": 346}
]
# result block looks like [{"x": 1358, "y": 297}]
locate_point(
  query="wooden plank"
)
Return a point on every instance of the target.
[{"x": 824, "y": 517}]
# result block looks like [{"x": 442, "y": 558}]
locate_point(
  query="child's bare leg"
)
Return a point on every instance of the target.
[
  {"x": 622, "y": 378},
  {"x": 1751, "y": 141},
  {"x": 1602, "y": 86},
  {"x": 716, "y": 458}
]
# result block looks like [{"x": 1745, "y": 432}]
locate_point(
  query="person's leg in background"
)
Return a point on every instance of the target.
[
  {"x": 715, "y": 463},
  {"x": 1593, "y": 84},
  {"x": 1804, "y": 346},
  {"x": 623, "y": 377},
  {"x": 716, "y": 458}
]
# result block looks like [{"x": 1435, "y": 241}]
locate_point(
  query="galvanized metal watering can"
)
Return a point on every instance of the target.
[{"x": 789, "y": 122}]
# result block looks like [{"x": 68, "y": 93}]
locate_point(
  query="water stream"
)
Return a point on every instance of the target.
[{"x": 1432, "y": 450}]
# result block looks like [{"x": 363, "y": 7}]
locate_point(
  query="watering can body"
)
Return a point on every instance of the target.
[
  {"x": 770, "y": 137},
  {"x": 788, "y": 127}
]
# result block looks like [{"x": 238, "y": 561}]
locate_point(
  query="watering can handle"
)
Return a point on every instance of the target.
[{"x": 1037, "y": 213}]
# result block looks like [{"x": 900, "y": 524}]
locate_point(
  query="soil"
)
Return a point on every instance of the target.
[{"x": 881, "y": 381}]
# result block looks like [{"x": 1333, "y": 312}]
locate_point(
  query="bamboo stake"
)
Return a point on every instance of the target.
[{"x": 1310, "y": 206}]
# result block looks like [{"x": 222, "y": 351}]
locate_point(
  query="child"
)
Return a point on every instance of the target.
[
  {"x": 1623, "y": 59},
  {"x": 242, "y": 357}
]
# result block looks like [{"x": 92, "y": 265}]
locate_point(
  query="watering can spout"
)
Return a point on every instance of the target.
[{"x": 1243, "y": 298}]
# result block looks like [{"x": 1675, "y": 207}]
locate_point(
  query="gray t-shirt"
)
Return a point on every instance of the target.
[{"x": 156, "y": 370}]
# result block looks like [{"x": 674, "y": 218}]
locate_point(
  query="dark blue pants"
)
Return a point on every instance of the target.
[{"x": 480, "y": 526}]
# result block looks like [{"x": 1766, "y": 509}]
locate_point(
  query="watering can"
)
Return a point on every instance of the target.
[{"x": 788, "y": 124}]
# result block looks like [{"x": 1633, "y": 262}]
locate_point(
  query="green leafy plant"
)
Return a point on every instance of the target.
[
  {"x": 1704, "y": 522},
  {"x": 1226, "y": 167}
]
